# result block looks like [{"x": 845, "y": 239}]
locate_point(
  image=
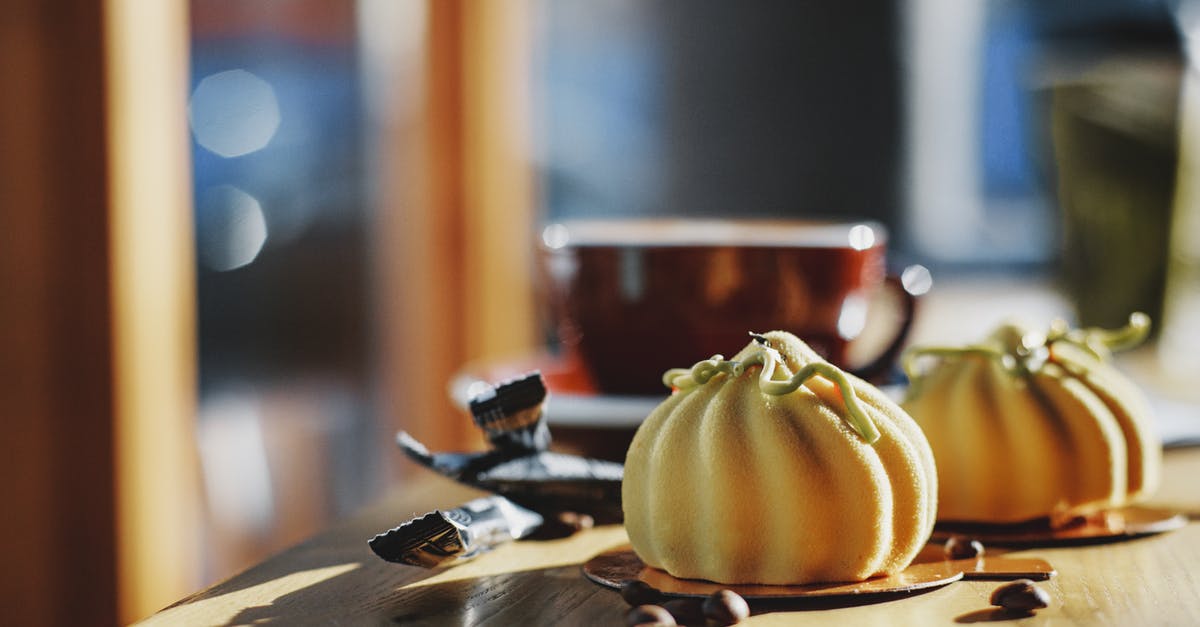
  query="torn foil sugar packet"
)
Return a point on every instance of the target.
[
  {"x": 510, "y": 414},
  {"x": 519, "y": 466},
  {"x": 545, "y": 481},
  {"x": 445, "y": 538}
]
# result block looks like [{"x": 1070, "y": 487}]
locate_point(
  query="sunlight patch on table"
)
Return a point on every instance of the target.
[{"x": 226, "y": 608}]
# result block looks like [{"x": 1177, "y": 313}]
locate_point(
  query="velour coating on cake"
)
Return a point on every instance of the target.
[
  {"x": 737, "y": 478},
  {"x": 1027, "y": 425}
]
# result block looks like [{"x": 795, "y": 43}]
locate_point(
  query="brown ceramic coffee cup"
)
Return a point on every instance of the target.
[{"x": 632, "y": 298}]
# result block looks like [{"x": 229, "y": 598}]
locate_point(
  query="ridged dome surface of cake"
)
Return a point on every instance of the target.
[
  {"x": 1027, "y": 429},
  {"x": 730, "y": 483}
]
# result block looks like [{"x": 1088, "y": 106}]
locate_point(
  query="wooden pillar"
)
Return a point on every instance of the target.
[
  {"x": 96, "y": 318},
  {"x": 153, "y": 291},
  {"x": 56, "y": 477},
  {"x": 453, "y": 244},
  {"x": 497, "y": 178}
]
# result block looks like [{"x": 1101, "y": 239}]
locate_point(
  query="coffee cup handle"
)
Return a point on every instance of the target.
[{"x": 878, "y": 369}]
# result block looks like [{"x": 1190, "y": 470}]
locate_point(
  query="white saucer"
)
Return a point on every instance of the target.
[
  {"x": 612, "y": 412},
  {"x": 572, "y": 410}
]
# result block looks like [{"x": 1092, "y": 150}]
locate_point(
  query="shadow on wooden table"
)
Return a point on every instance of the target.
[
  {"x": 376, "y": 592},
  {"x": 551, "y": 596},
  {"x": 992, "y": 614},
  {"x": 370, "y": 594},
  {"x": 768, "y": 606}
]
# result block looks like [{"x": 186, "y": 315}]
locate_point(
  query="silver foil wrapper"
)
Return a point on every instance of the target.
[{"x": 444, "y": 538}]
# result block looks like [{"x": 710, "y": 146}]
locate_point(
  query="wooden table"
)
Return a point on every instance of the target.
[{"x": 335, "y": 579}]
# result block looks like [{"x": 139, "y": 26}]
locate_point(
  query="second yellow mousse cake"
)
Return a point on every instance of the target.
[
  {"x": 775, "y": 467},
  {"x": 1028, "y": 426}
]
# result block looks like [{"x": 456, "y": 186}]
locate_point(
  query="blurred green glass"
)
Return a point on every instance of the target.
[{"x": 1115, "y": 136}]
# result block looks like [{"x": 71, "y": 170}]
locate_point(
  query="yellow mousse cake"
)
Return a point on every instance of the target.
[
  {"x": 775, "y": 467},
  {"x": 1029, "y": 425}
]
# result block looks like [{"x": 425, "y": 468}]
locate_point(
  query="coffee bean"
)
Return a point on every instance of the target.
[
  {"x": 1021, "y": 595},
  {"x": 725, "y": 607},
  {"x": 962, "y": 547},
  {"x": 636, "y": 592},
  {"x": 648, "y": 615},
  {"x": 686, "y": 611}
]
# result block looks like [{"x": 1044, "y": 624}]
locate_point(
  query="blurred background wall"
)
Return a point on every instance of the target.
[{"x": 243, "y": 243}]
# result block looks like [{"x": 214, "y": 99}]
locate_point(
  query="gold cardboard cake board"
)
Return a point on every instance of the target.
[
  {"x": 1109, "y": 526},
  {"x": 930, "y": 569}
]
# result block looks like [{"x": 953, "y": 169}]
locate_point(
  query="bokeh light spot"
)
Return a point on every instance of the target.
[
  {"x": 862, "y": 237},
  {"x": 233, "y": 113},
  {"x": 853, "y": 318},
  {"x": 231, "y": 228},
  {"x": 555, "y": 236},
  {"x": 916, "y": 279}
]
